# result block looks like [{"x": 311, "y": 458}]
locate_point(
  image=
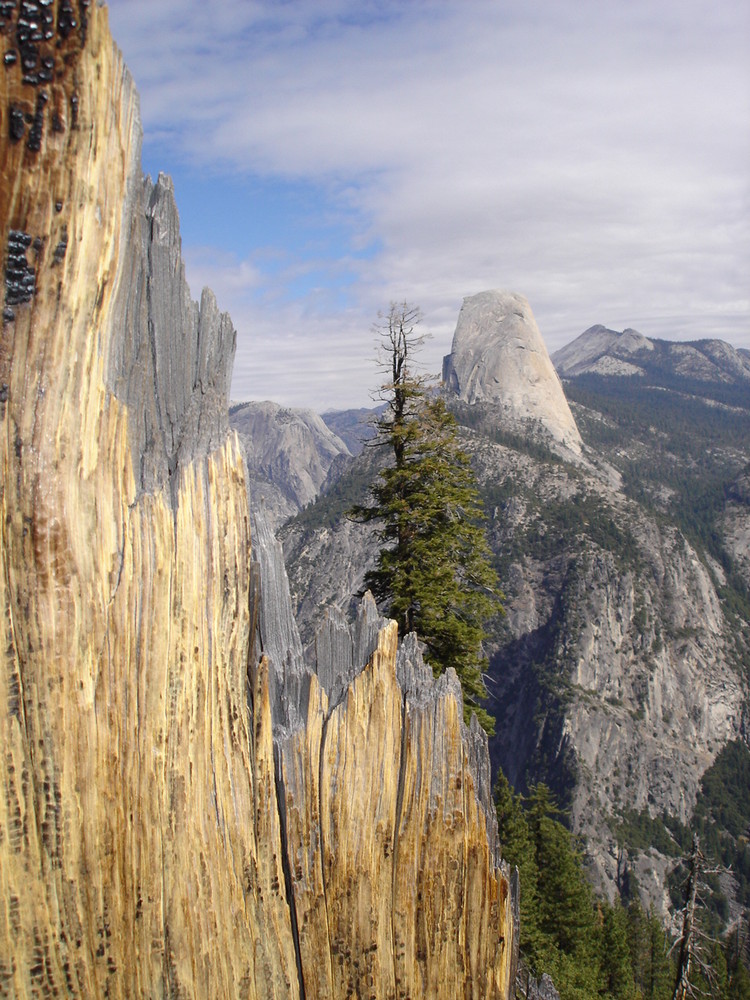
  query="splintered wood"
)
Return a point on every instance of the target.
[{"x": 154, "y": 841}]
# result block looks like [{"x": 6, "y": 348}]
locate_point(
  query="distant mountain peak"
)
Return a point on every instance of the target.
[
  {"x": 498, "y": 357},
  {"x": 289, "y": 452},
  {"x": 600, "y": 351}
]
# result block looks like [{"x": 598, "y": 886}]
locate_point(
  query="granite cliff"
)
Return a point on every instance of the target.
[
  {"x": 186, "y": 808},
  {"x": 289, "y": 453}
]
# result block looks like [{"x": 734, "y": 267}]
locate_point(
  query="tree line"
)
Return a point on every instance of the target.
[{"x": 594, "y": 949}]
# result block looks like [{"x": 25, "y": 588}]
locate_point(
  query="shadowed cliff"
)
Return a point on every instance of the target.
[{"x": 185, "y": 809}]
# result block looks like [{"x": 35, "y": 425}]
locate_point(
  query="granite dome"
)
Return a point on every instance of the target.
[{"x": 498, "y": 356}]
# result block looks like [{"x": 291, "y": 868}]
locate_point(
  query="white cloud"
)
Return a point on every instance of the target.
[{"x": 593, "y": 156}]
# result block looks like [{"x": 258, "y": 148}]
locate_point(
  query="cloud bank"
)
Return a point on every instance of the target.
[{"x": 593, "y": 156}]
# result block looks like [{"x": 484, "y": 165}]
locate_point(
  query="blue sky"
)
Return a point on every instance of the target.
[{"x": 332, "y": 156}]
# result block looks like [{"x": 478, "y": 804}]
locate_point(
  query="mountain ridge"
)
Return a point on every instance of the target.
[{"x": 600, "y": 351}]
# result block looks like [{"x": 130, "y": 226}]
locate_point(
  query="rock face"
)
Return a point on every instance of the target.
[
  {"x": 289, "y": 453},
  {"x": 617, "y": 645},
  {"x": 161, "y": 832},
  {"x": 498, "y": 357},
  {"x": 736, "y": 524}
]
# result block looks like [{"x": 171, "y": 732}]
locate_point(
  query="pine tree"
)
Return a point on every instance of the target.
[
  {"x": 649, "y": 951},
  {"x": 567, "y": 901},
  {"x": 518, "y": 849},
  {"x": 739, "y": 983},
  {"x": 567, "y": 922},
  {"x": 560, "y": 932},
  {"x": 616, "y": 963},
  {"x": 738, "y": 953},
  {"x": 433, "y": 574},
  {"x": 660, "y": 969}
]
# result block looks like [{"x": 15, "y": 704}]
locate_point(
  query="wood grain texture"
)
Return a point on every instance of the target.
[{"x": 158, "y": 837}]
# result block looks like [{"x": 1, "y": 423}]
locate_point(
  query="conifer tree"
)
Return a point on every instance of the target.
[
  {"x": 616, "y": 961},
  {"x": 739, "y": 983},
  {"x": 567, "y": 913},
  {"x": 660, "y": 968},
  {"x": 433, "y": 574},
  {"x": 649, "y": 946},
  {"x": 738, "y": 953},
  {"x": 594, "y": 950},
  {"x": 518, "y": 849}
]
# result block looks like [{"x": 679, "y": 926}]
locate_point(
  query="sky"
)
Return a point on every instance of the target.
[{"x": 333, "y": 156}]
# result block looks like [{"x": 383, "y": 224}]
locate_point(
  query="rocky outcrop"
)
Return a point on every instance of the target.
[
  {"x": 539, "y": 989},
  {"x": 170, "y": 359},
  {"x": 289, "y": 453},
  {"x": 184, "y": 809},
  {"x": 616, "y": 645},
  {"x": 498, "y": 357}
]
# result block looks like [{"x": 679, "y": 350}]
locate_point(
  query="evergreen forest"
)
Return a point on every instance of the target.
[{"x": 592, "y": 948}]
